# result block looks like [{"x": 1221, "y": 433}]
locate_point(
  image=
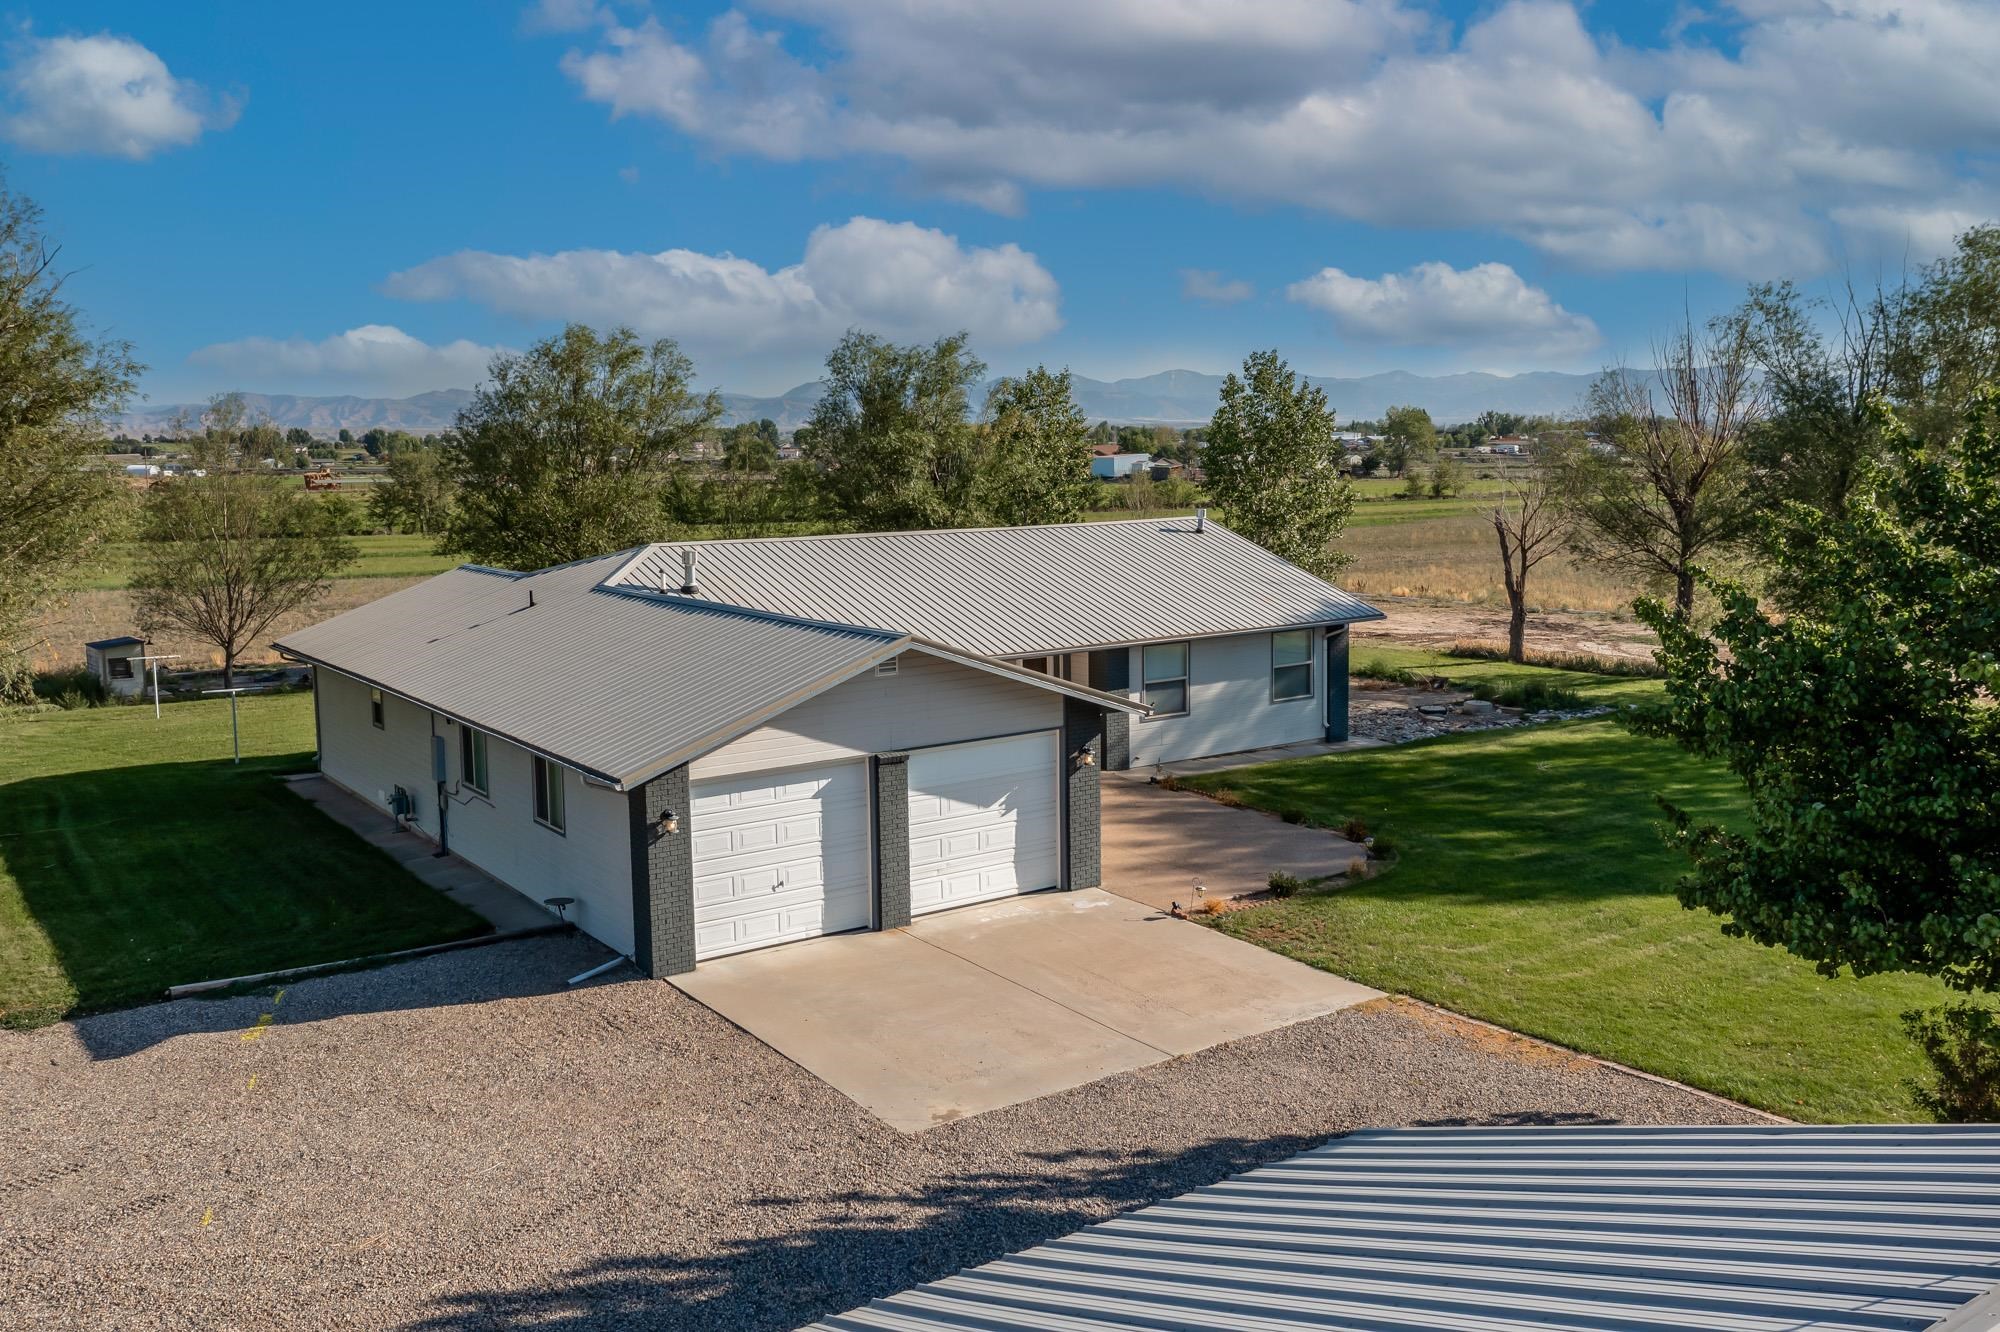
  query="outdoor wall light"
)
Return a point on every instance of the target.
[
  {"x": 1085, "y": 759},
  {"x": 670, "y": 822}
]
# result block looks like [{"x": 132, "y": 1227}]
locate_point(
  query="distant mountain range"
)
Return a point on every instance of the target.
[{"x": 1172, "y": 397}]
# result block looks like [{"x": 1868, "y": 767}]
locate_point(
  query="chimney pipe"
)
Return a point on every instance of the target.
[
  {"x": 687, "y": 570},
  {"x": 1201, "y": 518},
  {"x": 531, "y": 596}
]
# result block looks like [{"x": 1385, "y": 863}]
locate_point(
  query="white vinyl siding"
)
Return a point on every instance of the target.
[
  {"x": 593, "y": 864},
  {"x": 1229, "y": 704},
  {"x": 928, "y": 701}
]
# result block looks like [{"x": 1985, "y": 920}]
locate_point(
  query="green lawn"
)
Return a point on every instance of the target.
[
  {"x": 381, "y": 557},
  {"x": 1530, "y": 887},
  {"x": 1376, "y": 659},
  {"x": 134, "y": 856}
]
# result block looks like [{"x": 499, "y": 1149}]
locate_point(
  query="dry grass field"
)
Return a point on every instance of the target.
[{"x": 1456, "y": 558}]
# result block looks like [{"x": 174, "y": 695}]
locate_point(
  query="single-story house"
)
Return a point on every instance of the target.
[
  {"x": 703, "y": 778},
  {"x": 715, "y": 746},
  {"x": 1771, "y": 1228},
  {"x": 1118, "y": 466},
  {"x": 1230, "y": 647},
  {"x": 118, "y": 663}
]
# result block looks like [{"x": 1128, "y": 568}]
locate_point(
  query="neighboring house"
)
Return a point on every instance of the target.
[
  {"x": 1117, "y": 466},
  {"x": 704, "y": 777},
  {"x": 117, "y": 662},
  {"x": 1231, "y": 647},
  {"x": 1103, "y": 450},
  {"x": 1165, "y": 469},
  {"x": 1765, "y": 1228}
]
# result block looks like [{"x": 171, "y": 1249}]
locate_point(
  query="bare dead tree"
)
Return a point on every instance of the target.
[
  {"x": 1533, "y": 520},
  {"x": 1675, "y": 489}
]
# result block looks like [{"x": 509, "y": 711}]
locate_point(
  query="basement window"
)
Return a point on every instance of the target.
[
  {"x": 548, "y": 794},
  {"x": 1166, "y": 668},
  {"x": 375, "y": 708},
  {"x": 472, "y": 758},
  {"x": 1291, "y": 665}
]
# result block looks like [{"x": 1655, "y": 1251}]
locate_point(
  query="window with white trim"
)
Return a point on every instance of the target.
[
  {"x": 1166, "y": 678},
  {"x": 375, "y": 708},
  {"x": 548, "y": 794},
  {"x": 472, "y": 758},
  {"x": 1291, "y": 665}
]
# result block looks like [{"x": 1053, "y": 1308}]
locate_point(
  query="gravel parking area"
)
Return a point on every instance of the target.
[{"x": 459, "y": 1143}]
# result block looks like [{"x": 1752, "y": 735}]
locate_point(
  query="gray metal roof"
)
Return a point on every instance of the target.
[
  {"x": 1765, "y": 1229},
  {"x": 618, "y": 682},
  {"x": 1016, "y": 591}
]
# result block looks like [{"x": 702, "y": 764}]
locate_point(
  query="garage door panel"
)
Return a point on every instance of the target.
[
  {"x": 984, "y": 820},
  {"x": 779, "y": 857}
]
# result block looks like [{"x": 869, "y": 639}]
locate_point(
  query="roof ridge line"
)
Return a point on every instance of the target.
[
  {"x": 908, "y": 531},
  {"x": 654, "y": 594}
]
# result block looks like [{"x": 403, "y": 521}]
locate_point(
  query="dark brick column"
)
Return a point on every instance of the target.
[
  {"x": 1336, "y": 683},
  {"x": 662, "y": 877},
  {"x": 1083, "y": 732},
  {"x": 1117, "y": 741},
  {"x": 892, "y": 841}
]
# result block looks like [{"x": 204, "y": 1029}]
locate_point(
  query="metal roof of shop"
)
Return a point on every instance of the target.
[
  {"x": 1015, "y": 591},
  {"x": 1757, "y": 1229}
]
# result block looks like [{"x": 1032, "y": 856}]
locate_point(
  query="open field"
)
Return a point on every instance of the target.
[
  {"x": 391, "y": 556},
  {"x": 134, "y": 855},
  {"x": 1530, "y": 887}
]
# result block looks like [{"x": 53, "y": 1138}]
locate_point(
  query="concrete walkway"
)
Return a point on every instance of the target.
[
  {"x": 1269, "y": 754},
  {"x": 460, "y": 880},
  {"x": 970, "y": 1010},
  {"x": 1159, "y": 844}
]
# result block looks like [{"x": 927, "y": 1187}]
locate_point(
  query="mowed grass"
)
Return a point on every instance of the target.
[
  {"x": 134, "y": 856},
  {"x": 1379, "y": 659},
  {"x": 1530, "y": 887},
  {"x": 390, "y": 556}
]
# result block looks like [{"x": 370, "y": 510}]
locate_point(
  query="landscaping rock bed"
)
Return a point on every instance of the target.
[{"x": 1397, "y": 713}]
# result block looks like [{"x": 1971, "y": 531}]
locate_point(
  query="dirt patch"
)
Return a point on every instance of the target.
[
  {"x": 1433, "y": 626},
  {"x": 1484, "y": 1038}
]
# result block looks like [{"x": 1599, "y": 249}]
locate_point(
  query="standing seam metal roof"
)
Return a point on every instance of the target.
[
  {"x": 1765, "y": 1229},
  {"x": 620, "y": 682},
  {"x": 1015, "y": 591}
]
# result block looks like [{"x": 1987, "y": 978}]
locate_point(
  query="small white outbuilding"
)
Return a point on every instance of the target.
[{"x": 118, "y": 663}]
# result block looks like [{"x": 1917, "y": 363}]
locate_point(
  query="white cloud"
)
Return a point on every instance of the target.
[
  {"x": 894, "y": 278},
  {"x": 104, "y": 94},
  {"x": 1205, "y": 284},
  {"x": 1436, "y": 305},
  {"x": 374, "y": 360},
  {"x": 1746, "y": 157}
]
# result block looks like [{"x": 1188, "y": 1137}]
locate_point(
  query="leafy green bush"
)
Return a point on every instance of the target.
[
  {"x": 1962, "y": 1043},
  {"x": 1532, "y": 696},
  {"x": 74, "y": 687},
  {"x": 1287, "y": 885}
]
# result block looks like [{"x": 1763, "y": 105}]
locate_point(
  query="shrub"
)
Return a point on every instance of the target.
[
  {"x": 1962, "y": 1043},
  {"x": 1532, "y": 696},
  {"x": 74, "y": 687},
  {"x": 1354, "y": 830},
  {"x": 1376, "y": 669},
  {"x": 1286, "y": 885}
]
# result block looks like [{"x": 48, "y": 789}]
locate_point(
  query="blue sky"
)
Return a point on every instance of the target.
[{"x": 372, "y": 199}]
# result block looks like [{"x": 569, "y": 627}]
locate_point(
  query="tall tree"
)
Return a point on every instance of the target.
[
  {"x": 229, "y": 552},
  {"x": 1532, "y": 521},
  {"x": 891, "y": 434},
  {"x": 1820, "y": 430},
  {"x": 418, "y": 493},
  {"x": 1944, "y": 335},
  {"x": 58, "y": 390},
  {"x": 746, "y": 448},
  {"x": 1675, "y": 491},
  {"x": 562, "y": 453},
  {"x": 1862, "y": 723},
  {"x": 1273, "y": 464},
  {"x": 1408, "y": 438},
  {"x": 1037, "y": 466}
]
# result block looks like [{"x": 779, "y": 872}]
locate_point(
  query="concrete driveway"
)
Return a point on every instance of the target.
[
  {"x": 1159, "y": 844},
  {"x": 970, "y": 1010}
]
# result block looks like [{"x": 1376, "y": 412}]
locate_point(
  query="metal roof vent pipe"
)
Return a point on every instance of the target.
[
  {"x": 1201, "y": 518},
  {"x": 688, "y": 584}
]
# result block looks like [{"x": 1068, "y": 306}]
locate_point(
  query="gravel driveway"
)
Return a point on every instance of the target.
[{"x": 458, "y": 1143}]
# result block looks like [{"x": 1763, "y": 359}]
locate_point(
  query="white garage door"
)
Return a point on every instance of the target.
[
  {"x": 779, "y": 856},
  {"x": 983, "y": 821}
]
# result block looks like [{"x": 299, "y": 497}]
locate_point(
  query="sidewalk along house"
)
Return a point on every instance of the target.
[
  {"x": 702, "y": 777},
  {"x": 1230, "y": 647}
]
